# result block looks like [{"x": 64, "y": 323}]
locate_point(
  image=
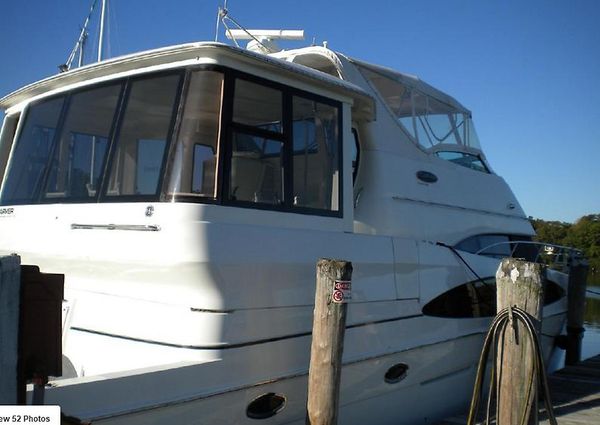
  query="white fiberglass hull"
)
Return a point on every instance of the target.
[
  {"x": 438, "y": 382},
  {"x": 194, "y": 333}
]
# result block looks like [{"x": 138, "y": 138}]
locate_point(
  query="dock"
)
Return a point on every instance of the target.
[{"x": 575, "y": 392}]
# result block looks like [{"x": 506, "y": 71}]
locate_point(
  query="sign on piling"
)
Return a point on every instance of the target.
[{"x": 329, "y": 323}]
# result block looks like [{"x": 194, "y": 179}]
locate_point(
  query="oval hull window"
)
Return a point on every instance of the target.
[
  {"x": 396, "y": 373},
  {"x": 426, "y": 176},
  {"x": 265, "y": 406}
]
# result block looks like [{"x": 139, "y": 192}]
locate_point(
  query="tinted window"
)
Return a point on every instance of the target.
[
  {"x": 316, "y": 154},
  {"x": 194, "y": 164},
  {"x": 478, "y": 299},
  {"x": 256, "y": 169},
  {"x": 286, "y": 157},
  {"x": 256, "y": 162},
  {"x": 32, "y": 153},
  {"x": 464, "y": 160},
  {"x": 257, "y": 105},
  {"x": 141, "y": 143},
  {"x": 77, "y": 164},
  {"x": 474, "y": 299},
  {"x": 491, "y": 245}
]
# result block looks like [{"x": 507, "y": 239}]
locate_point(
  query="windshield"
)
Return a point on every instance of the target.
[
  {"x": 64, "y": 149},
  {"x": 428, "y": 120}
]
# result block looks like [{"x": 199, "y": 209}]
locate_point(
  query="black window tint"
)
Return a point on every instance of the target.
[
  {"x": 491, "y": 245},
  {"x": 473, "y": 299},
  {"x": 32, "y": 153},
  {"x": 80, "y": 154},
  {"x": 495, "y": 245},
  {"x": 141, "y": 143},
  {"x": 469, "y": 245}
]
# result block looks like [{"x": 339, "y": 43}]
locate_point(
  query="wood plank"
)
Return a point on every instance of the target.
[{"x": 575, "y": 393}]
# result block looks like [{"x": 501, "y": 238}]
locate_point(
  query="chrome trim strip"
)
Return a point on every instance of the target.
[
  {"x": 134, "y": 227},
  {"x": 458, "y": 207}
]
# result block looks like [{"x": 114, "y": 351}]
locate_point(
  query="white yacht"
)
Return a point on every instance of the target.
[{"x": 186, "y": 194}]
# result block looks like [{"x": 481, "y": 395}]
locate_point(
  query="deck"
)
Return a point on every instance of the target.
[{"x": 575, "y": 392}]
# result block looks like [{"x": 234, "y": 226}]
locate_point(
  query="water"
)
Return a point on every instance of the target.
[{"x": 591, "y": 338}]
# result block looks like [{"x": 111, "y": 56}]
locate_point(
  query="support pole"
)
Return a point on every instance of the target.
[
  {"x": 576, "y": 309},
  {"x": 332, "y": 292},
  {"x": 10, "y": 287},
  {"x": 101, "y": 36},
  {"x": 519, "y": 283}
]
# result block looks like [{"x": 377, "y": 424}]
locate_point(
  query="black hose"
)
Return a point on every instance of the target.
[{"x": 498, "y": 328}]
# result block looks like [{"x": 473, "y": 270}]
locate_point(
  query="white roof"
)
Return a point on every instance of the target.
[{"x": 178, "y": 53}]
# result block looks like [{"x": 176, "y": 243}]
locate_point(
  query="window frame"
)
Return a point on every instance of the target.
[
  {"x": 355, "y": 167},
  {"x": 25, "y": 115},
  {"x": 41, "y": 198},
  {"x": 228, "y": 127},
  {"x": 224, "y": 142},
  {"x": 118, "y": 123}
]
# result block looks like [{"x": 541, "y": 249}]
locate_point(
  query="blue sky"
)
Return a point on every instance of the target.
[{"x": 529, "y": 70}]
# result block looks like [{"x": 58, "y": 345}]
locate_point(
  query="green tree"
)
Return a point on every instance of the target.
[
  {"x": 584, "y": 235},
  {"x": 554, "y": 232}
]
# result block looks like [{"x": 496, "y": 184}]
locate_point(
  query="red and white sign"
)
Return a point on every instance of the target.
[{"x": 342, "y": 291}]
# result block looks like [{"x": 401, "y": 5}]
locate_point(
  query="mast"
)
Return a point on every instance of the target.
[
  {"x": 101, "y": 37},
  {"x": 81, "y": 47}
]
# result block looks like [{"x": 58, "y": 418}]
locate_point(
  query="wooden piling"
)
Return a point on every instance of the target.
[
  {"x": 576, "y": 309},
  {"x": 329, "y": 323},
  {"x": 10, "y": 287},
  {"x": 519, "y": 283}
]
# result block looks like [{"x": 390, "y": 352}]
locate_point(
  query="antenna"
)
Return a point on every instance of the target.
[
  {"x": 260, "y": 40},
  {"x": 221, "y": 13},
  {"x": 79, "y": 44}
]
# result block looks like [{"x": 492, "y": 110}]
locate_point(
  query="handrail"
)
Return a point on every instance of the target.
[{"x": 552, "y": 255}]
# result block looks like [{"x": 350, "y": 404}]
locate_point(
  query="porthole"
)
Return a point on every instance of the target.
[
  {"x": 396, "y": 373},
  {"x": 265, "y": 406},
  {"x": 426, "y": 176}
]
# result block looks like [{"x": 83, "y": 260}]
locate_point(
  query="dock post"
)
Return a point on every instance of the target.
[
  {"x": 576, "y": 308},
  {"x": 329, "y": 323},
  {"x": 10, "y": 288},
  {"x": 519, "y": 283}
]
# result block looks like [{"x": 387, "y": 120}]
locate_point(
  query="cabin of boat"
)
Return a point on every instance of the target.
[{"x": 187, "y": 192}]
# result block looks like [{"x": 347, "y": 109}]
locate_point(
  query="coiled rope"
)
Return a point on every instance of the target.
[{"x": 505, "y": 318}]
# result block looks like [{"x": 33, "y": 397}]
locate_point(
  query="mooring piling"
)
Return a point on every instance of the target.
[
  {"x": 10, "y": 287},
  {"x": 519, "y": 284},
  {"x": 576, "y": 308},
  {"x": 329, "y": 323}
]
